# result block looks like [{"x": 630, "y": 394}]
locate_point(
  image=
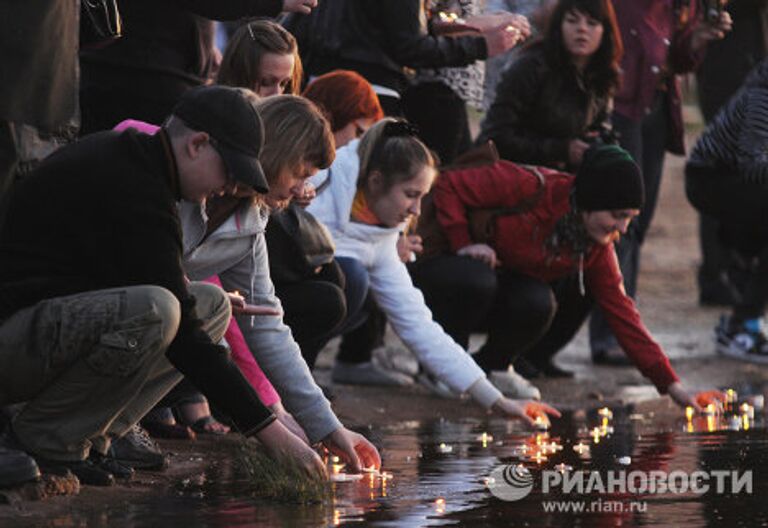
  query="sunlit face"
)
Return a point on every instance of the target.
[
  {"x": 401, "y": 201},
  {"x": 202, "y": 172},
  {"x": 275, "y": 74},
  {"x": 582, "y": 35},
  {"x": 289, "y": 185},
  {"x": 605, "y": 227},
  {"x": 353, "y": 130}
]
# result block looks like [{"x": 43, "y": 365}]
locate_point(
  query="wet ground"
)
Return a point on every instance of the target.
[
  {"x": 448, "y": 486},
  {"x": 440, "y": 476}
]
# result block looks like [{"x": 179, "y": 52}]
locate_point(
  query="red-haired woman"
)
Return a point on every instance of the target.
[{"x": 349, "y": 102}]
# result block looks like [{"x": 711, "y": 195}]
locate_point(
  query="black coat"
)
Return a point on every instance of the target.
[
  {"x": 38, "y": 68},
  {"x": 378, "y": 39},
  {"x": 101, "y": 214},
  {"x": 538, "y": 111}
]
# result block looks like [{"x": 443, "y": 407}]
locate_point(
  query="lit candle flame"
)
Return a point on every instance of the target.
[
  {"x": 689, "y": 412},
  {"x": 605, "y": 412}
]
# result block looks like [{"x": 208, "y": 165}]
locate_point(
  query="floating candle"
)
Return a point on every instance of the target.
[
  {"x": 541, "y": 422},
  {"x": 731, "y": 396},
  {"x": 346, "y": 477},
  {"x": 710, "y": 409},
  {"x": 443, "y": 448},
  {"x": 562, "y": 468},
  {"x": 624, "y": 461},
  {"x": 581, "y": 448},
  {"x": 605, "y": 412},
  {"x": 758, "y": 402},
  {"x": 689, "y": 412},
  {"x": 748, "y": 410},
  {"x": 734, "y": 423}
]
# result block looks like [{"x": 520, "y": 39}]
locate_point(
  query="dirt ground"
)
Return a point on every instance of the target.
[{"x": 667, "y": 301}]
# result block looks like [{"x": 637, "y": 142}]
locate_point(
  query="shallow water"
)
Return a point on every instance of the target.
[{"x": 440, "y": 471}]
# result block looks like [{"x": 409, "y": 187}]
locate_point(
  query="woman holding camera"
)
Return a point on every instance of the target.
[{"x": 556, "y": 98}]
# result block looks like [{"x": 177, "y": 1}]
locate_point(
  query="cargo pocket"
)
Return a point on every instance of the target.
[
  {"x": 69, "y": 327},
  {"x": 121, "y": 351}
]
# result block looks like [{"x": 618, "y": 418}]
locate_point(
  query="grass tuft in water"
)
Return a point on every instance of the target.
[{"x": 284, "y": 482}]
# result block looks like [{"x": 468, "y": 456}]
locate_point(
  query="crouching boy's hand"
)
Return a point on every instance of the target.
[
  {"x": 353, "y": 448},
  {"x": 525, "y": 410},
  {"x": 284, "y": 446}
]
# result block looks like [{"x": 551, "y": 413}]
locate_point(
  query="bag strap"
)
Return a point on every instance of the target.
[{"x": 528, "y": 203}]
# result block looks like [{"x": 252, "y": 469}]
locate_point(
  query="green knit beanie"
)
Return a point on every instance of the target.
[{"x": 608, "y": 179}]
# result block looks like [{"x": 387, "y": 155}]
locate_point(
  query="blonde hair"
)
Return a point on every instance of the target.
[
  {"x": 391, "y": 148},
  {"x": 295, "y": 132},
  {"x": 242, "y": 59}
]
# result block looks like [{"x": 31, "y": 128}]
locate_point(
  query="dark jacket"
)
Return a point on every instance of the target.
[
  {"x": 377, "y": 39},
  {"x": 38, "y": 68},
  {"x": 735, "y": 142},
  {"x": 538, "y": 111},
  {"x": 519, "y": 240},
  {"x": 102, "y": 214},
  {"x": 173, "y": 37}
]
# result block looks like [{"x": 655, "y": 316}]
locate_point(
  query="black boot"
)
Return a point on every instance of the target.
[
  {"x": 86, "y": 471},
  {"x": 16, "y": 466},
  {"x": 111, "y": 465}
]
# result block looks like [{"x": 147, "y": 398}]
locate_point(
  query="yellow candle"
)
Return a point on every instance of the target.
[{"x": 689, "y": 412}]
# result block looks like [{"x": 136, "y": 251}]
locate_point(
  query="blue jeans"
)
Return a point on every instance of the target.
[{"x": 355, "y": 291}]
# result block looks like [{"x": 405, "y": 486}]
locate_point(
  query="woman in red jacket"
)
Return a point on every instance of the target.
[{"x": 555, "y": 258}]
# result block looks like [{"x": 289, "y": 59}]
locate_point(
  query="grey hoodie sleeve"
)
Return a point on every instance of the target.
[{"x": 274, "y": 348}]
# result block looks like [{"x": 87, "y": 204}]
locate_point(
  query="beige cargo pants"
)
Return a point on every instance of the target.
[{"x": 91, "y": 365}]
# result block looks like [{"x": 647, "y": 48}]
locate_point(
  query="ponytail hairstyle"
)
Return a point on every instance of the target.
[
  {"x": 241, "y": 63},
  {"x": 392, "y": 148}
]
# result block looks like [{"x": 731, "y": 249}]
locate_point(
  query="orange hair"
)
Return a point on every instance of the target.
[{"x": 345, "y": 96}]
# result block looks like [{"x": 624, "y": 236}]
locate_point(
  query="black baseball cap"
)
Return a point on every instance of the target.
[{"x": 231, "y": 119}]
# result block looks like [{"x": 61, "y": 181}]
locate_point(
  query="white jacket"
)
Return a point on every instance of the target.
[
  {"x": 401, "y": 301},
  {"x": 237, "y": 253}
]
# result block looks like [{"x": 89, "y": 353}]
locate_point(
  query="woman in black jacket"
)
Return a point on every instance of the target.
[
  {"x": 379, "y": 40},
  {"x": 556, "y": 99}
]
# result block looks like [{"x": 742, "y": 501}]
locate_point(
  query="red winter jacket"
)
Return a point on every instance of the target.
[{"x": 519, "y": 242}]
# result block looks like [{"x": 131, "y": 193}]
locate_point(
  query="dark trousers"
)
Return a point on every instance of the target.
[
  {"x": 460, "y": 292},
  {"x": 522, "y": 315},
  {"x": 314, "y": 309},
  {"x": 441, "y": 117},
  {"x": 646, "y": 141},
  {"x": 532, "y": 319},
  {"x": 741, "y": 208}
]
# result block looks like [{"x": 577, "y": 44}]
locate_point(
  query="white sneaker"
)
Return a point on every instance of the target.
[
  {"x": 396, "y": 358},
  {"x": 368, "y": 373},
  {"x": 512, "y": 384}
]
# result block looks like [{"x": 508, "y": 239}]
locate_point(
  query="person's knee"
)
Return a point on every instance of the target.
[
  {"x": 536, "y": 308},
  {"x": 357, "y": 282},
  {"x": 479, "y": 285},
  {"x": 334, "y": 307},
  {"x": 213, "y": 307},
  {"x": 156, "y": 303}
]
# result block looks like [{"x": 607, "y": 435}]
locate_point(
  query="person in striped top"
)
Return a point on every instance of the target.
[{"x": 727, "y": 178}]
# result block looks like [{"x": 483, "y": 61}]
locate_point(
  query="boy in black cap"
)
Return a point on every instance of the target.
[{"x": 95, "y": 312}]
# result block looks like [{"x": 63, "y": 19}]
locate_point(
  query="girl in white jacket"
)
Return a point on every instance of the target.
[{"x": 368, "y": 195}]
